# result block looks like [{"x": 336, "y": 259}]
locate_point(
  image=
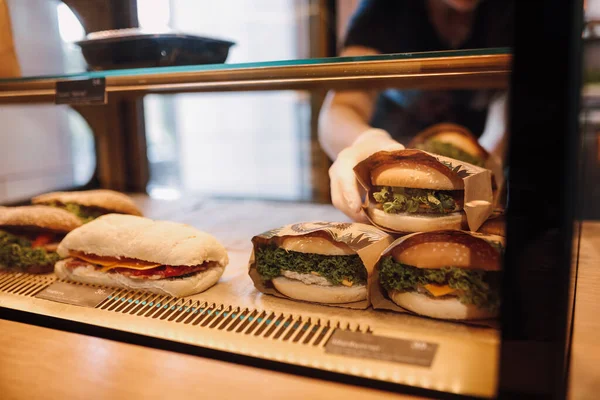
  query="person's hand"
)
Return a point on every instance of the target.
[{"x": 345, "y": 194}]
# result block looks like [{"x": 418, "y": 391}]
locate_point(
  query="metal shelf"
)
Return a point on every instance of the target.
[{"x": 441, "y": 70}]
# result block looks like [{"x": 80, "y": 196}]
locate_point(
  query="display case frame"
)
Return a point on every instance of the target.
[{"x": 554, "y": 120}]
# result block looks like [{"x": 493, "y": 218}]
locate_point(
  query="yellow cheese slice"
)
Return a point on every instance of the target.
[
  {"x": 109, "y": 263},
  {"x": 130, "y": 266},
  {"x": 92, "y": 259},
  {"x": 439, "y": 290}
]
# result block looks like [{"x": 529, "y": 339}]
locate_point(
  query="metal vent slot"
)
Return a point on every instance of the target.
[
  {"x": 264, "y": 324},
  {"x": 24, "y": 284}
]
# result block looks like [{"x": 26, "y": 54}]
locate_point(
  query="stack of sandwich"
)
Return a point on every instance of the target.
[
  {"x": 440, "y": 266},
  {"x": 99, "y": 237}
]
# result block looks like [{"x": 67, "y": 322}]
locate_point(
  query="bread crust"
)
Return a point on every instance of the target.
[
  {"x": 108, "y": 200},
  {"x": 410, "y": 174},
  {"x": 162, "y": 242},
  {"x": 441, "y": 249},
  {"x": 180, "y": 287},
  {"x": 319, "y": 294},
  {"x": 408, "y": 222},
  {"x": 495, "y": 226},
  {"x": 44, "y": 217},
  {"x": 315, "y": 245},
  {"x": 443, "y": 308}
]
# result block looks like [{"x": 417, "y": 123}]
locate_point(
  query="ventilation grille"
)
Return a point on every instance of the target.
[
  {"x": 24, "y": 284},
  {"x": 265, "y": 324},
  {"x": 269, "y": 325}
]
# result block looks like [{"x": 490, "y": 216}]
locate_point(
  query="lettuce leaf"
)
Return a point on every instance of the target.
[
  {"x": 16, "y": 252},
  {"x": 477, "y": 287},
  {"x": 270, "y": 260},
  {"x": 396, "y": 200}
]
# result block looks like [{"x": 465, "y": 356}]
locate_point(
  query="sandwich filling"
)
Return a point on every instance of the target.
[
  {"x": 310, "y": 268},
  {"x": 394, "y": 200},
  {"x": 85, "y": 214},
  {"x": 477, "y": 287},
  {"x": 28, "y": 250},
  {"x": 449, "y": 150},
  {"x": 135, "y": 269}
]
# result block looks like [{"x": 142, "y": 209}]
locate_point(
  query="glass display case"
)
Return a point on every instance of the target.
[{"x": 232, "y": 149}]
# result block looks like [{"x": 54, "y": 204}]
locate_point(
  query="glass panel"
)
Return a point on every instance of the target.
[
  {"x": 44, "y": 148},
  {"x": 256, "y": 28},
  {"x": 222, "y": 147},
  {"x": 196, "y": 146}
]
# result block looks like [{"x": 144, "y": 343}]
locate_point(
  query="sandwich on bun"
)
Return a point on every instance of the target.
[
  {"x": 141, "y": 254},
  {"x": 415, "y": 195},
  {"x": 29, "y": 237},
  {"x": 450, "y": 140},
  {"x": 312, "y": 267},
  {"x": 90, "y": 204},
  {"x": 451, "y": 275}
]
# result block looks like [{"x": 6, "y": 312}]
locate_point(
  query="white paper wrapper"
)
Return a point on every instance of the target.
[
  {"x": 379, "y": 296},
  {"x": 366, "y": 240}
]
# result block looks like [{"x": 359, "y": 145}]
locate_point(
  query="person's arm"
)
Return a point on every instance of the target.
[
  {"x": 345, "y": 115},
  {"x": 347, "y": 137}
]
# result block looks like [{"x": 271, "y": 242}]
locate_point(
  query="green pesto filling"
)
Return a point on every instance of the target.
[
  {"x": 396, "y": 200},
  {"x": 271, "y": 260},
  {"x": 449, "y": 150},
  {"x": 477, "y": 287},
  {"x": 16, "y": 252},
  {"x": 85, "y": 214}
]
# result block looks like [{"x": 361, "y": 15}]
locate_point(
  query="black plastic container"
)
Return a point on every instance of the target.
[{"x": 131, "y": 48}]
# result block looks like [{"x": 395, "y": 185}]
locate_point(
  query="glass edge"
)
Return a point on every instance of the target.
[{"x": 261, "y": 64}]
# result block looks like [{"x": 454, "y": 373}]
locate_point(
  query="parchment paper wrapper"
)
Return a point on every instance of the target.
[
  {"x": 381, "y": 301},
  {"x": 491, "y": 162},
  {"x": 366, "y": 240},
  {"x": 478, "y": 195}
]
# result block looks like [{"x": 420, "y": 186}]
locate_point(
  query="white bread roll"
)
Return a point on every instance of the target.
[
  {"x": 179, "y": 287},
  {"x": 315, "y": 245},
  {"x": 414, "y": 175},
  {"x": 44, "y": 217},
  {"x": 105, "y": 199},
  {"x": 319, "y": 294},
  {"x": 445, "y": 308},
  {"x": 162, "y": 242},
  {"x": 408, "y": 222}
]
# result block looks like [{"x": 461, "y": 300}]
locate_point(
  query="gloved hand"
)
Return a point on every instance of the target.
[{"x": 345, "y": 194}]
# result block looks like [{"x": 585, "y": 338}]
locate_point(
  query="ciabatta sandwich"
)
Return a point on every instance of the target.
[
  {"x": 29, "y": 237},
  {"x": 90, "y": 204},
  {"x": 141, "y": 254}
]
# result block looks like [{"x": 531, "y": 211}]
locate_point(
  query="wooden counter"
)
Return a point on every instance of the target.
[{"x": 37, "y": 362}]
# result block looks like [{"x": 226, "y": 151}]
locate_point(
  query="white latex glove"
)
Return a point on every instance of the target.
[{"x": 345, "y": 194}]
